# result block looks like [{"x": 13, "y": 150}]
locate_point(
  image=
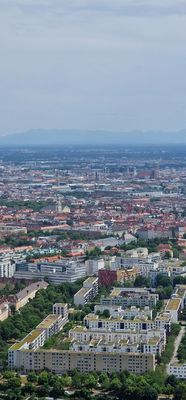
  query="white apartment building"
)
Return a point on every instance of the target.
[
  {"x": 178, "y": 370},
  {"x": 29, "y": 292},
  {"x": 90, "y": 349},
  {"x": 96, "y": 322},
  {"x": 180, "y": 292},
  {"x": 50, "y": 326},
  {"x": 127, "y": 297},
  {"x": 61, "y": 361},
  {"x": 173, "y": 307},
  {"x": 7, "y": 267},
  {"x": 154, "y": 345},
  {"x": 93, "y": 266},
  {"x": 87, "y": 292},
  {"x": 127, "y": 313},
  {"x": 61, "y": 309},
  {"x": 83, "y": 334}
]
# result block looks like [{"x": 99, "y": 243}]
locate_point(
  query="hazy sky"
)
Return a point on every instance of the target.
[{"x": 92, "y": 64}]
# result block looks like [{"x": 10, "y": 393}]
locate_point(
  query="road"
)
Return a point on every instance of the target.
[{"x": 176, "y": 345}]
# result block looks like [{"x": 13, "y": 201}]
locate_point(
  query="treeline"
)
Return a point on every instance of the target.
[
  {"x": 15, "y": 240},
  {"x": 10, "y": 288},
  {"x": 152, "y": 245},
  {"x": 19, "y": 204},
  {"x": 181, "y": 354},
  {"x": 169, "y": 348},
  {"x": 164, "y": 284},
  {"x": 93, "y": 385}
]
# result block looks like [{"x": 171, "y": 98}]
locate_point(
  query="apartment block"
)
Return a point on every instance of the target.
[
  {"x": 62, "y": 361},
  {"x": 19, "y": 352},
  {"x": 127, "y": 297},
  {"x": 61, "y": 309},
  {"x": 180, "y": 292},
  {"x": 127, "y": 313},
  {"x": 173, "y": 307},
  {"x": 154, "y": 345},
  {"x": 93, "y": 266},
  {"x": 87, "y": 292},
  {"x": 7, "y": 267},
  {"x": 178, "y": 370},
  {"x": 83, "y": 334},
  {"x": 107, "y": 277},
  {"x": 21, "y": 298},
  {"x": 93, "y": 321},
  {"x": 12, "y": 230}
]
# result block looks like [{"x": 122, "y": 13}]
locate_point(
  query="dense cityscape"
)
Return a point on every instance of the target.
[
  {"x": 93, "y": 272},
  {"x": 92, "y": 200}
]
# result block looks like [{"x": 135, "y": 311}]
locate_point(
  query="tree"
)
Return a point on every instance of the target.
[
  {"x": 89, "y": 380},
  {"x": 29, "y": 388},
  {"x": 84, "y": 393},
  {"x": 106, "y": 313},
  {"x": 149, "y": 393},
  {"x": 94, "y": 253},
  {"x": 141, "y": 281},
  {"x": 162, "y": 280},
  {"x": 32, "y": 377},
  {"x": 8, "y": 374},
  {"x": 171, "y": 380},
  {"x": 57, "y": 390},
  {"x": 76, "y": 380},
  {"x": 180, "y": 393},
  {"x": 115, "y": 384},
  {"x": 43, "y": 378},
  {"x": 14, "y": 382},
  {"x": 43, "y": 390},
  {"x": 167, "y": 255}
]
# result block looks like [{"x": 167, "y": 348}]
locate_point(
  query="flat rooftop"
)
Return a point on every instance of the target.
[
  {"x": 28, "y": 339},
  {"x": 115, "y": 292},
  {"x": 48, "y": 321},
  {"x": 91, "y": 279},
  {"x": 173, "y": 304},
  {"x": 82, "y": 292}
]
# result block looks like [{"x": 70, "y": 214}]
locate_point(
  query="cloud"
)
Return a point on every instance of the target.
[
  {"x": 111, "y": 64},
  {"x": 132, "y": 8}
]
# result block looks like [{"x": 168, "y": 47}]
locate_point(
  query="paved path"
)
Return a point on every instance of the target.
[{"x": 176, "y": 345}]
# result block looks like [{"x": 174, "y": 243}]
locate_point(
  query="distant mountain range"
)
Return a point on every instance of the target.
[{"x": 79, "y": 137}]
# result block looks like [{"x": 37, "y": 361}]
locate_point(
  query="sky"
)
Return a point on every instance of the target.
[{"x": 92, "y": 64}]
